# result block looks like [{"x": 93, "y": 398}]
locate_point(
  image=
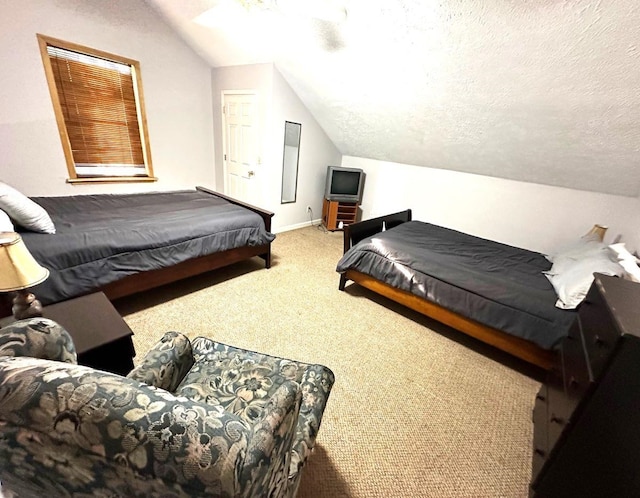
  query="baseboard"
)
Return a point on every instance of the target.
[{"x": 288, "y": 228}]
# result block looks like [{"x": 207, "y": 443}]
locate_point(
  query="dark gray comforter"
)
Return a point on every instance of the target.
[
  {"x": 495, "y": 284},
  {"x": 102, "y": 238}
]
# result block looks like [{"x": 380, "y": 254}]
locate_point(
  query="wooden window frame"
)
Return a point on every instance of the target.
[{"x": 74, "y": 178}]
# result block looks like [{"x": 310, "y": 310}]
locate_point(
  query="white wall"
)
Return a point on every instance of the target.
[
  {"x": 278, "y": 103},
  {"x": 317, "y": 152},
  {"x": 533, "y": 216},
  {"x": 175, "y": 82}
]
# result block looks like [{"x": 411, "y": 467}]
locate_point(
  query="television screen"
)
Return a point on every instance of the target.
[{"x": 345, "y": 182}]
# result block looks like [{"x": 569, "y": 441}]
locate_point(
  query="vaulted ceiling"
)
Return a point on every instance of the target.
[{"x": 543, "y": 91}]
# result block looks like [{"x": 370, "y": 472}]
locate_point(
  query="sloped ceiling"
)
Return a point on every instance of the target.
[{"x": 543, "y": 91}]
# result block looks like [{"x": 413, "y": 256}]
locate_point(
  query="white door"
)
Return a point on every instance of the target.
[{"x": 241, "y": 146}]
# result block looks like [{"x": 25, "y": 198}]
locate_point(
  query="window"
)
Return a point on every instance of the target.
[{"x": 97, "y": 99}]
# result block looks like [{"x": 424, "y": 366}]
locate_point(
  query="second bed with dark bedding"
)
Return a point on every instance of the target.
[
  {"x": 496, "y": 284},
  {"x": 499, "y": 294}
]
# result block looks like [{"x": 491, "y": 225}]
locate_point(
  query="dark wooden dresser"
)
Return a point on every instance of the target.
[{"x": 586, "y": 417}]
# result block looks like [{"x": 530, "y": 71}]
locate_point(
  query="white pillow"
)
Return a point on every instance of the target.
[
  {"x": 24, "y": 211},
  {"x": 627, "y": 260},
  {"x": 580, "y": 252},
  {"x": 5, "y": 222},
  {"x": 621, "y": 252},
  {"x": 572, "y": 284}
]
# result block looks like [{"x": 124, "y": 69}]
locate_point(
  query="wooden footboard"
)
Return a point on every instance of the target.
[
  {"x": 154, "y": 278},
  {"x": 516, "y": 346},
  {"x": 264, "y": 214}
]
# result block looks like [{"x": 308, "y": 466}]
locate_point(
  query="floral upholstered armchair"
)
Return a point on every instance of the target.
[{"x": 193, "y": 419}]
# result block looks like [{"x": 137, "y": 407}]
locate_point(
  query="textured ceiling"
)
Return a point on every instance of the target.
[{"x": 544, "y": 91}]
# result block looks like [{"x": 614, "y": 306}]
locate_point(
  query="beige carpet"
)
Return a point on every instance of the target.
[{"x": 417, "y": 409}]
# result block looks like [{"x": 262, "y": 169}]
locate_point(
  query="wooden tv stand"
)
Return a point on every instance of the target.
[{"x": 334, "y": 212}]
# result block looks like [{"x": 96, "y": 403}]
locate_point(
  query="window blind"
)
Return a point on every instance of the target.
[{"x": 98, "y": 101}]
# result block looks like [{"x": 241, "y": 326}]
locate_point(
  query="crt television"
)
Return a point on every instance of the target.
[{"x": 344, "y": 184}]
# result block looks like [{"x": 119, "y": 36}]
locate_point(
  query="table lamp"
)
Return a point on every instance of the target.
[
  {"x": 18, "y": 272},
  {"x": 598, "y": 231}
]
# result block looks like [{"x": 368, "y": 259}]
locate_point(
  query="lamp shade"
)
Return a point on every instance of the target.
[
  {"x": 598, "y": 231},
  {"x": 18, "y": 269}
]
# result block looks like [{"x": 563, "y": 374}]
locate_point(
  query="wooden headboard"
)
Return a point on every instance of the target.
[{"x": 363, "y": 229}]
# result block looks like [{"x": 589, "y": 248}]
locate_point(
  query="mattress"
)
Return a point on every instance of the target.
[
  {"x": 103, "y": 238},
  {"x": 495, "y": 284}
]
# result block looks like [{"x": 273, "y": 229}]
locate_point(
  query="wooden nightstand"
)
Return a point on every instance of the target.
[{"x": 102, "y": 338}]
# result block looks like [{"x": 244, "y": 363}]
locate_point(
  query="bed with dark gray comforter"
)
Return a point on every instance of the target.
[
  {"x": 101, "y": 239},
  {"x": 496, "y": 285}
]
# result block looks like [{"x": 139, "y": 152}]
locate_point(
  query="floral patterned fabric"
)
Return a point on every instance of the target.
[
  {"x": 38, "y": 338},
  {"x": 72, "y": 431},
  {"x": 243, "y": 381},
  {"x": 166, "y": 363}
]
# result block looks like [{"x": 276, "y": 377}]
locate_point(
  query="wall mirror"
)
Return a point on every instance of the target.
[{"x": 290, "y": 161}]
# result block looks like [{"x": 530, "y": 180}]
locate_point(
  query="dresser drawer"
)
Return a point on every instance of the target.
[
  {"x": 576, "y": 372},
  {"x": 539, "y": 417},
  {"x": 540, "y": 442},
  {"x": 598, "y": 331},
  {"x": 559, "y": 410}
]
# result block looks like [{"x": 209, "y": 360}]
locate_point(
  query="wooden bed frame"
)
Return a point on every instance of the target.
[
  {"x": 516, "y": 346},
  {"x": 154, "y": 278}
]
